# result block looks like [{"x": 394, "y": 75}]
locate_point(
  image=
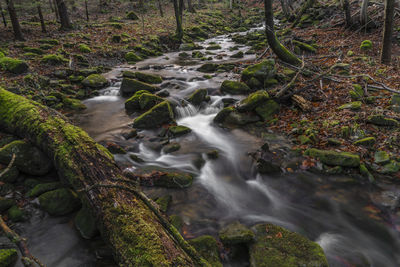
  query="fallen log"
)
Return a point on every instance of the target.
[{"x": 127, "y": 220}]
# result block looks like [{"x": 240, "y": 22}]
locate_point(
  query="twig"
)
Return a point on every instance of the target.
[
  {"x": 291, "y": 83},
  {"x": 9, "y": 166}
]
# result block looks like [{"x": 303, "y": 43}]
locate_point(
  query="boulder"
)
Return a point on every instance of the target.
[
  {"x": 260, "y": 71},
  {"x": 28, "y": 159},
  {"x": 208, "y": 68},
  {"x": 207, "y": 247},
  {"x": 6, "y": 203},
  {"x": 381, "y": 120},
  {"x": 198, "y": 97},
  {"x": 148, "y": 78},
  {"x": 276, "y": 246},
  {"x": 157, "y": 116},
  {"x": 86, "y": 223},
  {"x": 132, "y": 57},
  {"x": 235, "y": 88},
  {"x": 333, "y": 158},
  {"x": 13, "y": 65},
  {"x": 236, "y": 233},
  {"x": 253, "y": 101},
  {"x": 141, "y": 101},
  {"x": 131, "y": 86},
  {"x": 59, "y": 202},
  {"x": 171, "y": 147},
  {"x": 95, "y": 81},
  {"x": 43, "y": 188},
  {"x": 267, "y": 110},
  {"x": 8, "y": 257},
  {"x": 381, "y": 157},
  {"x": 179, "y": 130}
]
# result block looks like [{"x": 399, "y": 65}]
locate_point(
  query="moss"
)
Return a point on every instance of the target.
[
  {"x": 207, "y": 246},
  {"x": 148, "y": 78},
  {"x": 381, "y": 157},
  {"x": 213, "y": 47},
  {"x": 177, "y": 222},
  {"x": 52, "y": 59},
  {"x": 366, "y": 173},
  {"x": 236, "y": 233},
  {"x": 132, "y": 57},
  {"x": 15, "y": 214},
  {"x": 158, "y": 115},
  {"x": 276, "y": 246},
  {"x": 49, "y": 41},
  {"x": 8, "y": 257},
  {"x": 304, "y": 46},
  {"x": 235, "y": 88},
  {"x": 6, "y": 203},
  {"x": 260, "y": 71},
  {"x": 334, "y": 158},
  {"x": 356, "y": 105},
  {"x": 163, "y": 202},
  {"x": 12, "y": 65},
  {"x": 142, "y": 100},
  {"x": 223, "y": 114},
  {"x": 43, "y": 188},
  {"x": 366, "y": 45},
  {"x": 367, "y": 141},
  {"x": 198, "y": 97},
  {"x": 86, "y": 223},
  {"x": 84, "y": 48},
  {"x": 208, "y": 67},
  {"x": 381, "y": 120},
  {"x": 33, "y": 50},
  {"x": 73, "y": 104},
  {"x": 253, "y": 100},
  {"x": 59, "y": 202},
  {"x": 95, "y": 81},
  {"x": 132, "y": 15},
  {"x": 171, "y": 147},
  {"x": 131, "y": 86},
  {"x": 267, "y": 110},
  {"x": 177, "y": 131}
]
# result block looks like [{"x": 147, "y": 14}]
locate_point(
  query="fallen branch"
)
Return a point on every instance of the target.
[
  {"x": 7, "y": 169},
  {"x": 291, "y": 83}
]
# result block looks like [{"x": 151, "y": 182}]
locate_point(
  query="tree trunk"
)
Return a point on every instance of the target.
[
  {"x": 87, "y": 11},
  {"x": 128, "y": 221},
  {"x": 190, "y": 6},
  {"x": 285, "y": 8},
  {"x": 347, "y": 13},
  {"x": 14, "y": 21},
  {"x": 2, "y": 15},
  {"x": 56, "y": 10},
  {"x": 306, "y": 5},
  {"x": 63, "y": 13},
  {"x": 178, "y": 17},
  {"x": 42, "y": 24},
  {"x": 51, "y": 6},
  {"x": 160, "y": 8},
  {"x": 282, "y": 52},
  {"x": 364, "y": 13},
  {"x": 386, "y": 51}
]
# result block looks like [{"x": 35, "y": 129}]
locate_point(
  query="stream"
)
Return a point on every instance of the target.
[{"x": 331, "y": 210}]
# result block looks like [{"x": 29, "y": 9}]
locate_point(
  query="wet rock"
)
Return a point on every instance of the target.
[
  {"x": 367, "y": 141},
  {"x": 163, "y": 202},
  {"x": 381, "y": 120},
  {"x": 333, "y": 158},
  {"x": 208, "y": 68},
  {"x": 28, "y": 159},
  {"x": 143, "y": 77},
  {"x": 15, "y": 214},
  {"x": 236, "y": 233},
  {"x": 366, "y": 173},
  {"x": 260, "y": 71},
  {"x": 387, "y": 199},
  {"x": 86, "y": 223},
  {"x": 10, "y": 176},
  {"x": 59, "y": 202},
  {"x": 213, "y": 154},
  {"x": 43, "y": 188},
  {"x": 129, "y": 134},
  {"x": 268, "y": 166},
  {"x": 198, "y": 97},
  {"x": 207, "y": 247},
  {"x": 213, "y": 47},
  {"x": 131, "y": 57},
  {"x": 188, "y": 47},
  {"x": 391, "y": 167},
  {"x": 135, "y": 158},
  {"x": 171, "y": 179},
  {"x": 381, "y": 157},
  {"x": 8, "y": 257},
  {"x": 176, "y": 221},
  {"x": 95, "y": 81},
  {"x": 236, "y": 118},
  {"x": 6, "y": 203},
  {"x": 131, "y": 86},
  {"x": 158, "y": 115},
  {"x": 253, "y": 101},
  {"x": 235, "y": 88},
  {"x": 267, "y": 110},
  {"x": 238, "y": 55},
  {"x": 142, "y": 100},
  {"x": 163, "y": 93},
  {"x": 179, "y": 130},
  {"x": 171, "y": 147},
  {"x": 276, "y": 246},
  {"x": 115, "y": 148}
]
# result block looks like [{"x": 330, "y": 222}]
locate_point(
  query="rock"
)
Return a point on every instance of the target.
[
  {"x": 304, "y": 140},
  {"x": 10, "y": 176},
  {"x": 142, "y": 100},
  {"x": 163, "y": 202},
  {"x": 260, "y": 71},
  {"x": 129, "y": 134},
  {"x": 171, "y": 147},
  {"x": 235, "y": 88},
  {"x": 172, "y": 179},
  {"x": 73, "y": 104},
  {"x": 28, "y": 159},
  {"x": 391, "y": 167},
  {"x": 177, "y": 222},
  {"x": 366, "y": 45},
  {"x": 367, "y": 141},
  {"x": 236, "y": 233},
  {"x": 8, "y": 257},
  {"x": 132, "y": 15},
  {"x": 59, "y": 202},
  {"x": 148, "y": 78},
  {"x": 357, "y": 93},
  {"x": 6, "y": 203},
  {"x": 198, "y": 97},
  {"x": 84, "y": 48},
  {"x": 131, "y": 86},
  {"x": 333, "y": 158},
  {"x": 53, "y": 59},
  {"x": 12, "y": 65},
  {"x": 276, "y": 246},
  {"x": 267, "y": 110},
  {"x": 366, "y": 173},
  {"x": 188, "y": 47},
  {"x": 238, "y": 55},
  {"x": 208, "y": 67},
  {"x": 132, "y": 57},
  {"x": 157, "y": 116},
  {"x": 253, "y": 100},
  {"x": 212, "y": 154},
  {"x": 381, "y": 157},
  {"x": 95, "y": 81},
  {"x": 236, "y": 118},
  {"x": 43, "y": 188},
  {"x": 86, "y": 223},
  {"x": 207, "y": 247},
  {"x": 179, "y": 130},
  {"x": 381, "y": 120},
  {"x": 356, "y": 105},
  {"x": 223, "y": 114},
  {"x": 334, "y": 142},
  {"x": 213, "y": 47},
  {"x": 114, "y": 148},
  {"x": 267, "y": 166},
  {"x": 271, "y": 82},
  {"x": 15, "y": 214}
]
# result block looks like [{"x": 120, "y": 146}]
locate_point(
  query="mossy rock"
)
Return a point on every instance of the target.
[
  {"x": 236, "y": 233},
  {"x": 239, "y": 54},
  {"x": 141, "y": 101},
  {"x": 15, "y": 214},
  {"x": 223, "y": 114},
  {"x": 73, "y": 104},
  {"x": 213, "y": 47},
  {"x": 381, "y": 157},
  {"x": 305, "y": 47},
  {"x": 235, "y": 88},
  {"x": 95, "y": 81},
  {"x": 207, "y": 247},
  {"x": 356, "y": 105},
  {"x": 53, "y": 59},
  {"x": 366, "y": 45},
  {"x": 132, "y": 57},
  {"x": 131, "y": 86},
  {"x": 163, "y": 202},
  {"x": 260, "y": 71},
  {"x": 15, "y": 66},
  {"x": 276, "y": 246},
  {"x": 43, "y": 188},
  {"x": 390, "y": 168},
  {"x": 253, "y": 101},
  {"x": 34, "y": 50},
  {"x": 179, "y": 130},
  {"x": 59, "y": 202},
  {"x": 28, "y": 159},
  {"x": 267, "y": 110},
  {"x": 177, "y": 222},
  {"x": 132, "y": 15},
  {"x": 148, "y": 78},
  {"x": 171, "y": 147},
  {"x": 10, "y": 176},
  {"x": 52, "y": 42},
  {"x": 168, "y": 179},
  {"x": 8, "y": 257},
  {"x": 198, "y": 97},
  {"x": 381, "y": 120},
  {"x": 157, "y": 116},
  {"x": 6, "y": 203},
  {"x": 84, "y": 48},
  {"x": 208, "y": 67},
  {"x": 357, "y": 93},
  {"x": 333, "y": 158},
  {"x": 367, "y": 141},
  {"x": 86, "y": 223}
]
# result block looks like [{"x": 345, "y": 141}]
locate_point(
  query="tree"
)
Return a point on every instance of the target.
[
  {"x": 347, "y": 13},
  {"x": 364, "y": 13},
  {"x": 42, "y": 24},
  {"x": 273, "y": 42},
  {"x": 160, "y": 8},
  {"x": 178, "y": 8},
  {"x": 190, "y": 6},
  {"x": 386, "y": 50},
  {"x": 14, "y": 21},
  {"x": 2, "y": 15},
  {"x": 63, "y": 13}
]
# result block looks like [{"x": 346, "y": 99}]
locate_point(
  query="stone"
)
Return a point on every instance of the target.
[
  {"x": 163, "y": 202},
  {"x": 132, "y": 15},
  {"x": 15, "y": 214},
  {"x": 333, "y": 158},
  {"x": 43, "y": 188},
  {"x": 366, "y": 173},
  {"x": 15, "y": 66},
  {"x": 148, "y": 78},
  {"x": 367, "y": 141},
  {"x": 95, "y": 81},
  {"x": 207, "y": 247},
  {"x": 208, "y": 67},
  {"x": 179, "y": 130},
  {"x": 59, "y": 202},
  {"x": 142, "y": 101},
  {"x": 260, "y": 71},
  {"x": 334, "y": 142},
  {"x": 131, "y": 86},
  {"x": 276, "y": 246},
  {"x": 132, "y": 57},
  {"x": 267, "y": 166},
  {"x": 171, "y": 147},
  {"x": 171, "y": 179},
  {"x": 267, "y": 110},
  {"x": 381, "y": 157},
  {"x": 235, "y": 88},
  {"x": 356, "y": 105},
  {"x": 239, "y": 54},
  {"x": 391, "y": 167},
  {"x": 213, "y": 47},
  {"x": 198, "y": 97},
  {"x": 86, "y": 223},
  {"x": 157, "y": 116},
  {"x": 6, "y": 203},
  {"x": 28, "y": 159},
  {"x": 176, "y": 221},
  {"x": 381, "y": 120},
  {"x": 253, "y": 100},
  {"x": 8, "y": 257},
  {"x": 10, "y": 176},
  {"x": 236, "y": 233}
]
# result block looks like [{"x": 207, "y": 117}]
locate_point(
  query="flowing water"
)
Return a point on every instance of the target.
[{"x": 333, "y": 211}]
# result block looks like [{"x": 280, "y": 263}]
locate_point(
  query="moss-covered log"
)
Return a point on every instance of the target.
[{"x": 137, "y": 233}]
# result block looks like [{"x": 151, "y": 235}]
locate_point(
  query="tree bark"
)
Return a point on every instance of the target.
[
  {"x": 364, "y": 13},
  {"x": 56, "y": 10},
  {"x": 178, "y": 17},
  {"x": 190, "y": 6},
  {"x": 42, "y": 24},
  {"x": 14, "y": 21},
  {"x": 63, "y": 13},
  {"x": 282, "y": 52},
  {"x": 2, "y": 15},
  {"x": 347, "y": 13},
  {"x": 126, "y": 218},
  {"x": 160, "y": 8},
  {"x": 87, "y": 11},
  {"x": 386, "y": 51}
]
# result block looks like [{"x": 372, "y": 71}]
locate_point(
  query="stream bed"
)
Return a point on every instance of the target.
[{"x": 330, "y": 210}]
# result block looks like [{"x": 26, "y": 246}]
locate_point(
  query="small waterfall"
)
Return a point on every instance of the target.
[{"x": 186, "y": 111}]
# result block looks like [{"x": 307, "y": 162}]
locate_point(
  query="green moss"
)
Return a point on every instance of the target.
[
  {"x": 86, "y": 223},
  {"x": 132, "y": 57},
  {"x": 223, "y": 114},
  {"x": 8, "y": 257},
  {"x": 381, "y": 120},
  {"x": 213, "y": 47},
  {"x": 381, "y": 157},
  {"x": 236, "y": 233},
  {"x": 171, "y": 147},
  {"x": 207, "y": 247},
  {"x": 253, "y": 100},
  {"x": 148, "y": 78},
  {"x": 366, "y": 45},
  {"x": 198, "y": 97},
  {"x": 177, "y": 222},
  {"x": 6, "y": 203},
  {"x": 131, "y": 86},
  {"x": 366, "y": 173},
  {"x": 132, "y": 15},
  {"x": 260, "y": 71},
  {"x": 59, "y": 202},
  {"x": 163, "y": 202},
  {"x": 33, "y": 50},
  {"x": 367, "y": 141},
  {"x": 43, "y": 188},
  {"x": 304, "y": 46},
  {"x": 356, "y": 105},
  {"x": 49, "y": 41},
  {"x": 12, "y": 65},
  {"x": 208, "y": 68},
  {"x": 53, "y": 59},
  {"x": 177, "y": 131},
  {"x": 334, "y": 158},
  {"x": 15, "y": 214},
  {"x": 95, "y": 81},
  {"x": 142, "y": 100},
  {"x": 73, "y": 104},
  {"x": 235, "y": 88},
  {"x": 158, "y": 115},
  {"x": 84, "y": 48}
]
